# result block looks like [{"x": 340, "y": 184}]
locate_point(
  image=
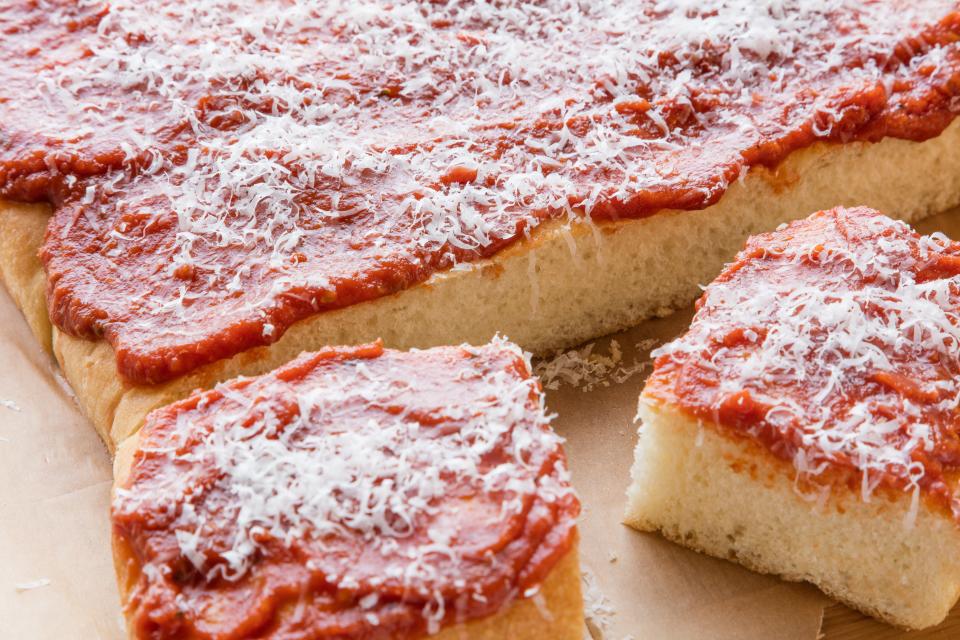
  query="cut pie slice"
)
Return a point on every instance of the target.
[
  {"x": 213, "y": 187},
  {"x": 353, "y": 493},
  {"x": 807, "y": 423}
]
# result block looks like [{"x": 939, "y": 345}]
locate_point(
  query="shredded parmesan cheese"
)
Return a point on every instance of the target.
[
  {"x": 597, "y": 609},
  {"x": 419, "y": 461},
  {"x": 32, "y": 584},
  {"x": 587, "y": 370},
  {"x": 841, "y": 334}
]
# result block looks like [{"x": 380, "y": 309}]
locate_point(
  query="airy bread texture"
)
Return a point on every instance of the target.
[
  {"x": 567, "y": 284},
  {"x": 555, "y": 612},
  {"x": 730, "y": 498}
]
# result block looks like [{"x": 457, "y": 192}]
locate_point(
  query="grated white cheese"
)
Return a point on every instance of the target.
[
  {"x": 32, "y": 584},
  {"x": 824, "y": 306},
  {"x": 357, "y": 112},
  {"x": 598, "y": 611},
  {"x": 587, "y": 370},
  {"x": 374, "y": 457}
]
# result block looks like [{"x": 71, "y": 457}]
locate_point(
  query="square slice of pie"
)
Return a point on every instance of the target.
[
  {"x": 807, "y": 423},
  {"x": 353, "y": 493}
]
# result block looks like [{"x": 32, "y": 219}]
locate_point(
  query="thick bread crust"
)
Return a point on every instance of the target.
[
  {"x": 556, "y": 612},
  {"x": 21, "y": 233},
  {"x": 567, "y": 284},
  {"x": 730, "y": 498}
]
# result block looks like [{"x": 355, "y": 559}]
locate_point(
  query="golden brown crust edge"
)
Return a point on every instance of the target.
[
  {"x": 556, "y": 612},
  {"x": 568, "y": 284},
  {"x": 22, "y": 227}
]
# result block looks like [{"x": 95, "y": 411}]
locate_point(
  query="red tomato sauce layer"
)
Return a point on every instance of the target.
[
  {"x": 834, "y": 343},
  {"x": 354, "y": 493},
  {"x": 221, "y": 170}
]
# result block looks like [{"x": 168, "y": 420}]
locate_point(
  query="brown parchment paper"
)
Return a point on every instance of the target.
[{"x": 56, "y": 573}]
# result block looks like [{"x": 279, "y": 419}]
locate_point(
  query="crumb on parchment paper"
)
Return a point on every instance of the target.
[
  {"x": 597, "y": 608},
  {"x": 32, "y": 584},
  {"x": 588, "y": 368}
]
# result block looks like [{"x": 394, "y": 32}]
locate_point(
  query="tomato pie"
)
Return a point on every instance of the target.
[
  {"x": 356, "y": 492},
  {"x": 199, "y": 191},
  {"x": 807, "y": 423},
  {"x": 205, "y": 179}
]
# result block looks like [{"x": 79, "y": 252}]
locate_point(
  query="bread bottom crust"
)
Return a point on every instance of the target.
[
  {"x": 730, "y": 498},
  {"x": 554, "y": 612},
  {"x": 568, "y": 283}
]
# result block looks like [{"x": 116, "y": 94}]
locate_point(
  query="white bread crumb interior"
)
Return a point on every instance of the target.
[{"x": 729, "y": 498}]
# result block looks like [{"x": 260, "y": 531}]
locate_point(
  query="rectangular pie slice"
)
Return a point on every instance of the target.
[
  {"x": 214, "y": 186},
  {"x": 807, "y": 423},
  {"x": 356, "y": 492}
]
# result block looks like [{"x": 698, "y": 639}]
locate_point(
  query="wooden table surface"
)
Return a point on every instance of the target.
[{"x": 843, "y": 623}]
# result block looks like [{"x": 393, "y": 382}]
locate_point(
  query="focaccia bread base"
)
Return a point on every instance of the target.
[
  {"x": 730, "y": 498},
  {"x": 568, "y": 283}
]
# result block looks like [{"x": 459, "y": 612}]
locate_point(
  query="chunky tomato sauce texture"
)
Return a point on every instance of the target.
[
  {"x": 220, "y": 170},
  {"x": 834, "y": 343},
  {"x": 354, "y": 493}
]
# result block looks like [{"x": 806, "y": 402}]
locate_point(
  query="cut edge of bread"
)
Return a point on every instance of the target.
[
  {"x": 567, "y": 283},
  {"x": 555, "y": 611},
  {"x": 728, "y": 497}
]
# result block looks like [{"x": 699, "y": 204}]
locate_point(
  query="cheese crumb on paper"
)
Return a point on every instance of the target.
[
  {"x": 32, "y": 584},
  {"x": 588, "y": 368}
]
